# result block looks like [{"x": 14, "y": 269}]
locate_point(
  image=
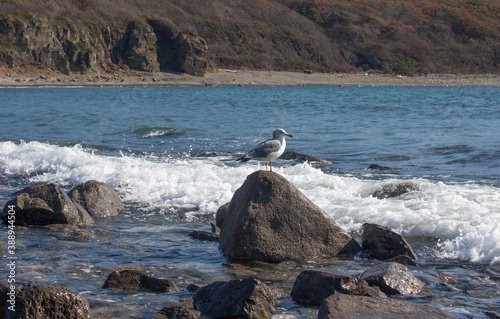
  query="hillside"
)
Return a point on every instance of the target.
[{"x": 407, "y": 37}]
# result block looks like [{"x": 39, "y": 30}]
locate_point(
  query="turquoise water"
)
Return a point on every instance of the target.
[{"x": 171, "y": 152}]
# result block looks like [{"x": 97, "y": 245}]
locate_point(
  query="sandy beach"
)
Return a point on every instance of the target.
[{"x": 224, "y": 77}]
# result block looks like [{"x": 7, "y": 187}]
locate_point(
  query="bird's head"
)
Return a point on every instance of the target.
[{"x": 281, "y": 132}]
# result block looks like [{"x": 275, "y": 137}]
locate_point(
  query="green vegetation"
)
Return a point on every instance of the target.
[{"x": 407, "y": 36}]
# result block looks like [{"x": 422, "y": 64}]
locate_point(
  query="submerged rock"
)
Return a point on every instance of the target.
[
  {"x": 44, "y": 205},
  {"x": 36, "y": 301},
  {"x": 382, "y": 167},
  {"x": 383, "y": 243},
  {"x": 393, "y": 278},
  {"x": 394, "y": 190},
  {"x": 301, "y": 157},
  {"x": 99, "y": 199},
  {"x": 135, "y": 280},
  {"x": 312, "y": 286},
  {"x": 270, "y": 220},
  {"x": 204, "y": 235},
  {"x": 183, "y": 310},
  {"x": 340, "y": 306},
  {"x": 248, "y": 298}
]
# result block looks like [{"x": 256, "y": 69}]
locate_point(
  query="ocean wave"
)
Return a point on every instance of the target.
[
  {"x": 464, "y": 218},
  {"x": 147, "y": 131}
]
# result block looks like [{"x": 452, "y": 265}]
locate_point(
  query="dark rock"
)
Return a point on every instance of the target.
[
  {"x": 35, "y": 301},
  {"x": 192, "y": 288},
  {"x": 394, "y": 190},
  {"x": 192, "y": 51},
  {"x": 312, "y": 286},
  {"x": 215, "y": 229},
  {"x": 270, "y": 220},
  {"x": 248, "y": 298},
  {"x": 383, "y": 243},
  {"x": 221, "y": 215},
  {"x": 135, "y": 280},
  {"x": 178, "y": 311},
  {"x": 99, "y": 199},
  {"x": 393, "y": 278},
  {"x": 44, "y": 205},
  {"x": 204, "y": 235},
  {"x": 301, "y": 157},
  {"x": 382, "y": 167},
  {"x": 340, "y": 306}
]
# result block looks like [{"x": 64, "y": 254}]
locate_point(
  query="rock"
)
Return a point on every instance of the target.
[
  {"x": 340, "y": 306},
  {"x": 382, "y": 167},
  {"x": 178, "y": 311},
  {"x": 135, "y": 280},
  {"x": 204, "y": 235},
  {"x": 394, "y": 190},
  {"x": 312, "y": 286},
  {"x": 270, "y": 220},
  {"x": 403, "y": 260},
  {"x": 140, "y": 48},
  {"x": 44, "y": 205},
  {"x": 301, "y": 157},
  {"x": 221, "y": 215},
  {"x": 393, "y": 278},
  {"x": 192, "y": 53},
  {"x": 99, "y": 199},
  {"x": 383, "y": 243},
  {"x": 35, "y": 301},
  {"x": 215, "y": 229},
  {"x": 248, "y": 298},
  {"x": 192, "y": 287}
]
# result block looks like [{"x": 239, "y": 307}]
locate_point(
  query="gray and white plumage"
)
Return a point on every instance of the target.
[{"x": 268, "y": 150}]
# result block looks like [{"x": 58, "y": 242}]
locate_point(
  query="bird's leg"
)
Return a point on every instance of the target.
[{"x": 270, "y": 166}]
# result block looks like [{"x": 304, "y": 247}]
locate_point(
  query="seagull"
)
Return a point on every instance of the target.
[{"x": 268, "y": 150}]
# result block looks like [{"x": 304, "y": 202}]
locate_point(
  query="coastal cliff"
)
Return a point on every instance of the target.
[{"x": 391, "y": 37}]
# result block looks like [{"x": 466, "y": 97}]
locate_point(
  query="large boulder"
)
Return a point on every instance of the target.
[
  {"x": 340, "y": 306},
  {"x": 135, "y": 280},
  {"x": 393, "y": 278},
  {"x": 270, "y": 220},
  {"x": 99, "y": 199},
  {"x": 44, "y": 205},
  {"x": 35, "y": 301},
  {"x": 192, "y": 51},
  {"x": 312, "y": 286},
  {"x": 383, "y": 243},
  {"x": 248, "y": 298}
]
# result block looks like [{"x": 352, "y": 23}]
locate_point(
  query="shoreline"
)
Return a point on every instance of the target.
[{"x": 224, "y": 77}]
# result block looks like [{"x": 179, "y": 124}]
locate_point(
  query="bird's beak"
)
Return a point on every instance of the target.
[{"x": 290, "y": 135}]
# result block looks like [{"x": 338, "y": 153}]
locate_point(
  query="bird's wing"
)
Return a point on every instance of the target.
[{"x": 264, "y": 148}]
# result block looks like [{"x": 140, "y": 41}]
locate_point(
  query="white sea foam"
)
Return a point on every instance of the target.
[{"x": 464, "y": 217}]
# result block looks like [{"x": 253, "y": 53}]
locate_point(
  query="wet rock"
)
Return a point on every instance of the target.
[
  {"x": 44, "y": 205},
  {"x": 312, "y": 286},
  {"x": 340, "y": 306},
  {"x": 393, "y": 278},
  {"x": 99, "y": 199},
  {"x": 383, "y": 243},
  {"x": 204, "y": 235},
  {"x": 221, "y": 215},
  {"x": 301, "y": 157},
  {"x": 215, "y": 229},
  {"x": 270, "y": 220},
  {"x": 382, "y": 167},
  {"x": 192, "y": 51},
  {"x": 248, "y": 298},
  {"x": 178, "y": 311},
  {"x": 135, "y": 280},
  {"x": 192, "y": 288},
  {"x": 403, "y": 260},
  {"x": 394, "y": 190},
  {"x": 36, "y": 301}
]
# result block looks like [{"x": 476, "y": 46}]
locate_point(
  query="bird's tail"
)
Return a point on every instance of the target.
[{"x": 243, "y": 159}]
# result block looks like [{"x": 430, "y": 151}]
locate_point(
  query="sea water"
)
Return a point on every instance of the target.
[{"x": 171, "y": 152}]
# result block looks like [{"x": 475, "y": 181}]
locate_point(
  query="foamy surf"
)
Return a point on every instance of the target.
[{"x": 462, "y": 219}]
